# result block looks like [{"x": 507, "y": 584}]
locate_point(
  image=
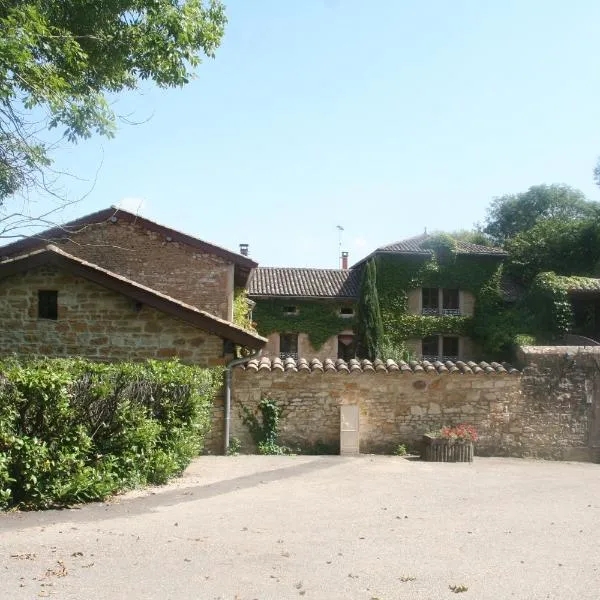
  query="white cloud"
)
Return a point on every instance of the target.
[{"x": 133, "y": 204}]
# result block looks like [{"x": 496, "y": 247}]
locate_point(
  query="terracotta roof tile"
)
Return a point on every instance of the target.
[
  {"x": 304, "y": 283},
  {"x": 378, "y": 366}
]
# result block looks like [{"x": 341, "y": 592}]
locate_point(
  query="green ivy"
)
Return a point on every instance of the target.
[
  {"x": 492, "y": 326},
  {"x": 264, "y": 431},
  {"x": 318, "y": 318},
  {"x": 550, "y": 305},
  {"x": 241, "y": 309}
]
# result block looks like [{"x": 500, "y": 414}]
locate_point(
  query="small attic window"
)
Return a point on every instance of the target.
[
  {"x": 346, "y": 311},
  {"x": 48, "y": 304},
  {"x": 290, "y": 310}
]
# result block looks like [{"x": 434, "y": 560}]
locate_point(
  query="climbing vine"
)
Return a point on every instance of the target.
[
  {"x": 241, "y": 310},
  {"x": 264, "y": 430},
  {"x": 549, "y": 302},
  {"x": 319, "y": 319},
  {"x": 492, "y": 326}
]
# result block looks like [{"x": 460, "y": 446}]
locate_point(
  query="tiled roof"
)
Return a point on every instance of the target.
[
  {"x": 141, "y": 293},
  {"x": 414, "y": 246},
  {"x": 114, "y": 214},
  {"x": 304, "y": 283},
  {"x": 378, "y": 366}
]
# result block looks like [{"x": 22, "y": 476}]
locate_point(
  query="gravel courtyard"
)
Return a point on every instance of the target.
[{"x": 372, "y": 527}]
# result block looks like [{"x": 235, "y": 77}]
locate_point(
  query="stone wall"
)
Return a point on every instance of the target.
[
  {"x": 147, "y": 257},
  {"x": 549, "y": 410},
  {"x": 560, "y": 414},
  {"x": 394, "y": 407},
  {"x": 94, "y": 323}
]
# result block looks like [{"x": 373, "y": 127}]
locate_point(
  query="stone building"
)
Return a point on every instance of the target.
[
  {"x": 295, "y": 306},
  {"x": 115, "y": 286},
  {"x": 414, "y": 297}
]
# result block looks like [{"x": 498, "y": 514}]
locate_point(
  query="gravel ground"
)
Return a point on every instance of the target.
[{"x": 372, "y": 527}]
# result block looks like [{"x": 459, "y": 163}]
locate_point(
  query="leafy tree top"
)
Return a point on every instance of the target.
[
  {"x": 65, "y": 57},
  {"x": 512, "y": 214}
]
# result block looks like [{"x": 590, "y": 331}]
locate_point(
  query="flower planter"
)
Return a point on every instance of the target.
[{"x": 437, "y": 449}]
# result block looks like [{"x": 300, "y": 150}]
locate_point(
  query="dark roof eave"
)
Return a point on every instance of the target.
[{"x": 296, "y": 297}]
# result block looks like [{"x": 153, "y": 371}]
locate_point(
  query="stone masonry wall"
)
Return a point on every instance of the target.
[
  {"x": 94, "y": 323},
  {"x": 394, "y": 408},
  {"x": 560, "y": 415},
  {"x": 200, "y": 279},
  {"x": 551, "y": 410}
]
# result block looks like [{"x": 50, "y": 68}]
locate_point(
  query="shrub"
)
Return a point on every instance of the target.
[
  {"x": 74, "y": 431},
  {"x": 401, "y": 450}
]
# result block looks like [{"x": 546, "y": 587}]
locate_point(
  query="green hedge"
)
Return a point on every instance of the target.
[{"x": 75, "y": 431}]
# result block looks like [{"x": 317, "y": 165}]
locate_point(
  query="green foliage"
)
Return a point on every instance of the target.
[
  {"x": 401, "y": 450},
  {"x": 493, "y": 326},
  {"x": 472, "y": 236},
  {"x": 567, "y": 247},
  {"x": 369, "y": 328},
  {"x": 516, "y": 213},
  {"x": 443, "y": 246},
  {"x": 74, "y": 431},
  {"x": 549, "y": 303},
  {"x": 525, "y": 339},
  {"x": 241, "y": 310},
  {"x": 264, "y": 430},
  {"x": 392, "y": 349},
  {"x": 318, "y": 319},
  {"x": 64, "y": 59},
  {"x": 235, "y": 446}
]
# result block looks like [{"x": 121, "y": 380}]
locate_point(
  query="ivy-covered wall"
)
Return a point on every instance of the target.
[
  {"x": 319, "y": 319},
  {"x": 493, "y": 326},
  {"x": 556, "y": 312}
]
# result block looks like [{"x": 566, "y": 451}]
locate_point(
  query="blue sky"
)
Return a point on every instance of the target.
[{"x": 384, "y": 117}]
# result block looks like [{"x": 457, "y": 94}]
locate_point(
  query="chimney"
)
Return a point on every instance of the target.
[
  {"x": 344, "y": 260},
  {"x": 244, "y": 249}
]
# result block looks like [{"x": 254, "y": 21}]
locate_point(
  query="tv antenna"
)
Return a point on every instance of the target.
[{"x": 340, "y": 229}]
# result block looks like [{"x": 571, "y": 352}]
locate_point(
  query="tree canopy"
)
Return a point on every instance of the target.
[
  {"x": 513, "y": 214},
  {"x": 60, "y": 59},
  {"x": 563, "y": 246}
]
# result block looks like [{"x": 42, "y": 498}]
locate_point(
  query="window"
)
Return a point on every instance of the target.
[
  {"x": 48, "y": 304},
  {"x": 430, "y": 301},
  {"x": 290, "y": 310},
  {"x": 429, "y": 347},
  {"x": 450, "y": 302},
  {"x": 434, "y": 298},
  {"x": 437, "y": 347},
  {"x": 288, "y": 345},
  {"x": 346, "y": 311},
  {"x": 346, "y": 347},
  {"x": 450, "y": 348}
]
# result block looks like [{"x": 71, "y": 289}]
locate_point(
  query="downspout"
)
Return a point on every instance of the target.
[{"x": 234, "y": 363}]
